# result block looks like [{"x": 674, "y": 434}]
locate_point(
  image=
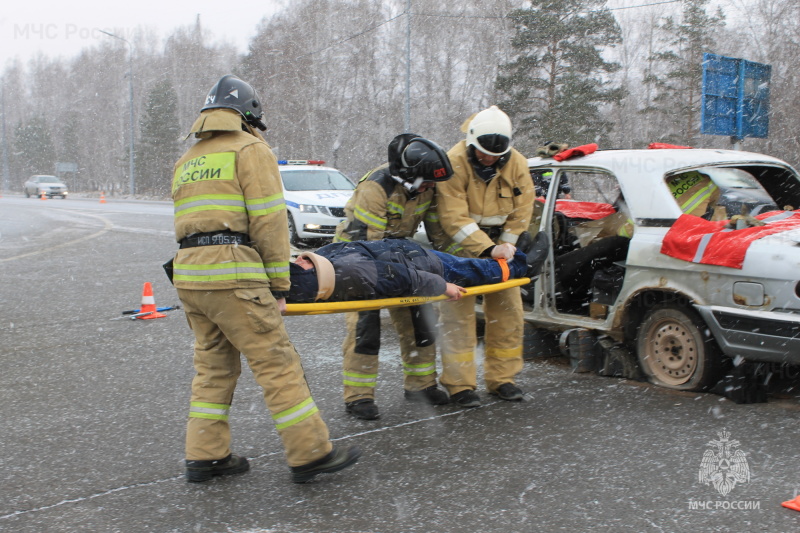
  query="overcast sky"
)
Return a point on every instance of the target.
[{"x": 64, "y": 28}]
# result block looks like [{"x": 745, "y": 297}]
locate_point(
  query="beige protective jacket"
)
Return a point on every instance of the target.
[
  {"x": 381, "y": 208},
  {"x": 229, "y": 180},
  {"x": 466, "y": 204},
  {"x": 694, "y": 192}
]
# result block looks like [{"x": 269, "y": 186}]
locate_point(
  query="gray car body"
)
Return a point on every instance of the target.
[{"x": 752, "y": 312}]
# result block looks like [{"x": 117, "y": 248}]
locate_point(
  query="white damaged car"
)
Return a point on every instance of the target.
[
  {"x": 685, "y": 297},
  {"x": 315, "y": 198}
]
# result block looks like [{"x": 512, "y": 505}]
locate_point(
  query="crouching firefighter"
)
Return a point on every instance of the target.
[
  {"x": 231, "y": 273},
  {"x": 389, "y": 203}
]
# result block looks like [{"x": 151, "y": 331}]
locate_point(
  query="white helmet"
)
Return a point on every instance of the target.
[{"x": 490, "y": 132}]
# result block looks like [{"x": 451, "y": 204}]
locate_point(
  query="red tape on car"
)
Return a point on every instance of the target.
[
  {"x": 585, "y": 149},
  {"x": 697, "y": 240}
]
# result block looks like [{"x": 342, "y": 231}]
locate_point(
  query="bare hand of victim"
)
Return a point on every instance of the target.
[{"x": 454, "y": 292}]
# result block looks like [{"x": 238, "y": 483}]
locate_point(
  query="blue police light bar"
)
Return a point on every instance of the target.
[
  {"x": 301, "y": 162},
  {"x": 735, "y": 99}
]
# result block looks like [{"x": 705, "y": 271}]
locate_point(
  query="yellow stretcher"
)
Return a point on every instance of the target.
[{"x": 322, "y": 308}]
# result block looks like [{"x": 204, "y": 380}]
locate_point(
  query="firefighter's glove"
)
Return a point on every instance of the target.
[
  {"x": 504, "y": 251},
  {"x": 550, "y": 149},
  {"x": 744, "y": 221}
]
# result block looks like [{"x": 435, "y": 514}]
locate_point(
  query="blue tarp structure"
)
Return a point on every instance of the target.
[{"x": 735, "y": 97}]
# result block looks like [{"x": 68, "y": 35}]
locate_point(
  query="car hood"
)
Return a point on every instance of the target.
[{"x": 327, "y": 198}]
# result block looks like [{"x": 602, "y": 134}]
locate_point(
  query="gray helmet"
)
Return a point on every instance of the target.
[{"x": 232, "y": 93}]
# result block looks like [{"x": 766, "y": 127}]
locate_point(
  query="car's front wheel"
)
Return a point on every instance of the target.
[
  {"x": 676, "y": 351},
  {"x": 293, "y": 238}
]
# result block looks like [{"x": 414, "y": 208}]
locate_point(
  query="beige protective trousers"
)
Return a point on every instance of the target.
[
  {"x": 226, "y": 323},
  {"x": 361, "y": 346},
  {"x": 503, "y": 340}
]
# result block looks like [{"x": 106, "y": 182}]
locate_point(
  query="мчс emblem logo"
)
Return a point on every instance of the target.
[{"x": 724, "y": 467}]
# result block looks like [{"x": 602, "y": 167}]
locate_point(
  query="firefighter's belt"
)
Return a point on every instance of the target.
[
  {"x": 215, "y": 238},
  {"x": 493, "y": 232}
]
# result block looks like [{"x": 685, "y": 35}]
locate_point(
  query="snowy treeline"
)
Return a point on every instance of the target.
[{"x": 332, "y": 75}]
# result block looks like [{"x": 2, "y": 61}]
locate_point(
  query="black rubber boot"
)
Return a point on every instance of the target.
[
  {"x": 365, "y": 409},
  {"x": 466, "y": 398},
  {"x": 537, "y": 253},
  {"x": 524, "y": 242},
  {"x": 508, "y": 392},
  {"x": 337, "y": 460},
  {"x": 432, "y": 395},
  {"x": 198, "y": 471}
]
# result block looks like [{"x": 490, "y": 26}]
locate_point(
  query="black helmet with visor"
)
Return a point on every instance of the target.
[{"x": 232, "y": 93}]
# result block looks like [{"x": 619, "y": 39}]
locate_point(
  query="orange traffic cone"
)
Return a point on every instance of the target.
[
  {"x": 148, "y": 309},
  {"x": 792, "y": 504},
  {"x": 44, "y": 196},
  {"x": 102, "y": 198}
]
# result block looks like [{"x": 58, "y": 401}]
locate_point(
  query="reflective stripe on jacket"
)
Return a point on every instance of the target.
[{"x": 382, "y": 208}]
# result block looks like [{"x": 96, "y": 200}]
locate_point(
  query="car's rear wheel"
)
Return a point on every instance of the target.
[
  {"x": 293, "y": 238},
  {"x": 538, "y": 343},
  {"x": 676, "y": 351}
]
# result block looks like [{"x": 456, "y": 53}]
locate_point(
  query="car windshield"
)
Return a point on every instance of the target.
[
  {"x": 48, "y": 179},
  {"x": 316, "y": 180}
]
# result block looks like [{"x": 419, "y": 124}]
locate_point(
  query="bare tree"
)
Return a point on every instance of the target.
[
  {"x": 332, "y": 77},
  {"x": 677, "y": 69},
  {"x": 773, "y": 28}
]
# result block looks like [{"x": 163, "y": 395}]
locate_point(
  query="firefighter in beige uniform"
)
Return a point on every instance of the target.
[
  {"x": 231, "y": 274},
  {"x": 483, "y": 209},
  {"x": 697, "y": 195},
  {"x": 389, "y": 203}
]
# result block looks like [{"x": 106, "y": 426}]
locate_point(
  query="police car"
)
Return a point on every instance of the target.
[
  {"x": 315, "y": 198},
  {"x": 632, "y": 285}
]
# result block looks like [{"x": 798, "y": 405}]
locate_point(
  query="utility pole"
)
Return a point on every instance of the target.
[
  {"x": 6, "y": 175},
  {"x": 130, "y": 96},
  {"x": 407, "y": 122}
]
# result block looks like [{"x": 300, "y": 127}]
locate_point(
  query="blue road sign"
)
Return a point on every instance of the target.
[{"x": 735, "y": 97}]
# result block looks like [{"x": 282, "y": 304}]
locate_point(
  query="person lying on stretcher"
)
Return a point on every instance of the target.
[{"x": 389, "y": 268}]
